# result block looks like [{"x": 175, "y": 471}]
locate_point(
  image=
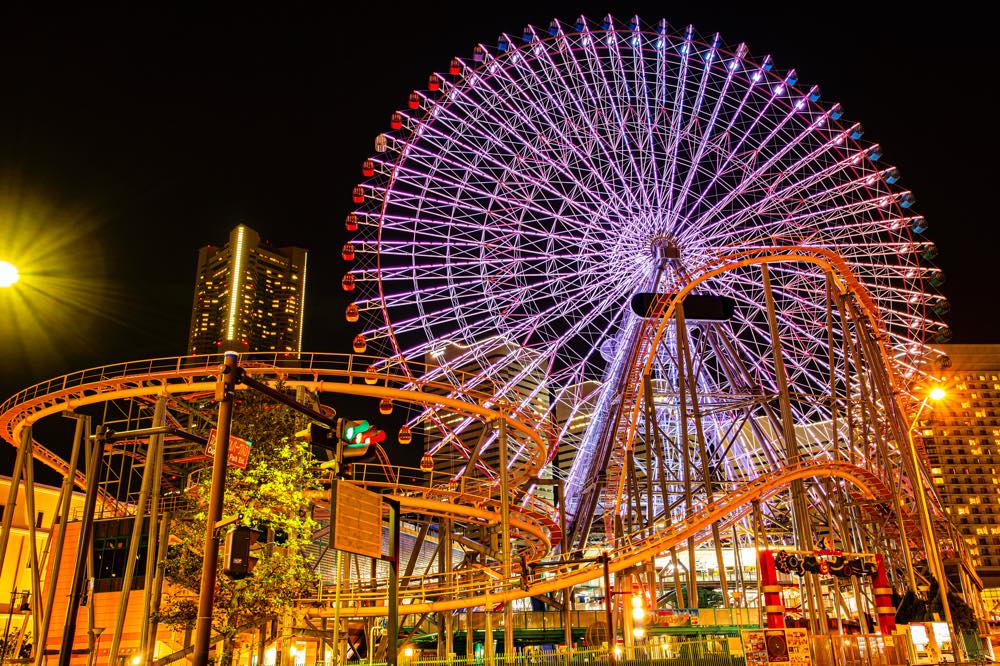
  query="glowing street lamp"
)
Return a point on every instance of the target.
[
  {"x": 936, "y": 394},
  {"x": 8, "y": 274}
]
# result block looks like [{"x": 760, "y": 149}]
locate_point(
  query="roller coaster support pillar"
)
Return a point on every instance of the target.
[
  {"x": 567, "y": 610},
  {"x": 800, "y": 506},
  {"x": 445, "y": 620},
  {"x": 150, "y": 482},
  {"x": 162, "y": 542},
  {"x": 683, "y": 347},
  {"x": 392, "y": 621},
  {"x": 508, "y": 609},
  {"x": 94, "y": 471},
  {"x": 15, "y": 480},
  {"x": 488, "y": 642},
  {"x": 883, "y": 598},
  {"x": 29, "y": 506},
  {"x": 225, "y": 391},
  {"x": 338, "y": 581},
  {"x": 80, "y": 435},
  {"x": 774, "y": 604},
  {"x": 609, "y": 615}
]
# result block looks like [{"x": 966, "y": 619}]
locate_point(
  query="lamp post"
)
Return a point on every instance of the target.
[{"x": 933, "y": 557}]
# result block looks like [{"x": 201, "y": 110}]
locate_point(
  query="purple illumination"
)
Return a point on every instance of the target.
[{"x": 526, "y": 203}]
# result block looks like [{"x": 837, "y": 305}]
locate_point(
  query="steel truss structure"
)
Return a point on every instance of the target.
[{"x": 518, "y": 204}]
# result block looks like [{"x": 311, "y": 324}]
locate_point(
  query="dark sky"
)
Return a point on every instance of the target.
[{"x": 138, "y": 136}]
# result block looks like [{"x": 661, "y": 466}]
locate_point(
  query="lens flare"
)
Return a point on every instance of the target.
[{"x": 8, "y": 274}]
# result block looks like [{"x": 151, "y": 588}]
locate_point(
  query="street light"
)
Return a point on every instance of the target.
[
  {"x": 937, "y": 568},
  {"x": 8, "y": 274}
]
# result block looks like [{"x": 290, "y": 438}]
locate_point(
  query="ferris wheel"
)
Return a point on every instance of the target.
[{"x": 516, "y": 205}]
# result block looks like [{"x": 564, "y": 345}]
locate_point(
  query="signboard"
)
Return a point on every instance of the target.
[
  {"x": 239, "y": 449},
  {"x": 355, "y": 519},
  {"x": 673, "y": 617},
  {"x": 777, "y": 647}
]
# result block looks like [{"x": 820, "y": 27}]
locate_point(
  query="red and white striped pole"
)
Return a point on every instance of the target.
[
  {"x": 883, "y": 599},
  {"x": 774, "y": 604}
]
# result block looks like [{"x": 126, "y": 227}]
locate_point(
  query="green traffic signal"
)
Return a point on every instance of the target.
[{"x": 354, "y": 428}]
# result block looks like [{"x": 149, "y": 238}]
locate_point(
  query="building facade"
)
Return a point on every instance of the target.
[
  {"x": 961, "y": 439},
  {"x": 248, "y": 296},
  {"x": 16, "y": 576}
]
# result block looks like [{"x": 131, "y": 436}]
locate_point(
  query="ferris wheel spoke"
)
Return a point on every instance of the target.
[
  {"x": 677, "y": 118},
  {"x": 731, "y": 152},
  {"x": 798, "y": 188},
  {"x": 770, "y": 162},
  {"x": 523, "y": 142},
  {"x": 618, "y": 94},
  {"x": 524, "y": 203},
  {"x": 707, "y": 132},
  {"x": 556, "y": 121},
  {"x": 574, "y": 100}
]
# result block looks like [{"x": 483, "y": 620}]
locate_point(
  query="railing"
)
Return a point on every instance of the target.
[
  {"x": 850, "y": 650},
  {"x": 471, "y": 588}
]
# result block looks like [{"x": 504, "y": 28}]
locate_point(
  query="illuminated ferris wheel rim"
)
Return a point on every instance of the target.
[{"x": 434, "y": 253}]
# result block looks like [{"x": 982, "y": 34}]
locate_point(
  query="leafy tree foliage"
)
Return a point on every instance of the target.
[{"x": 274, "y": 493}]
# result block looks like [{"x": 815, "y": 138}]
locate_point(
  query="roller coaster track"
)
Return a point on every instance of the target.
[
  {"x": 463, "y": 590},
  {"x": 191, "y": 378},
  {"x": 624, "y": 432}
]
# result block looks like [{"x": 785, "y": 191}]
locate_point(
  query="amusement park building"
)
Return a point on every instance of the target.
[
  {"x": 961, "y": 439},
  {"x": 248, "y": 296},
  {"x": 15, "y": 579}
]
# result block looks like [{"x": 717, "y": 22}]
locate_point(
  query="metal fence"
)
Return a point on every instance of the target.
[{"x": 853, "y": 650}]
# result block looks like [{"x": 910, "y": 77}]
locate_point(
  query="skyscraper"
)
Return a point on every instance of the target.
[
  {"x": 248, "y": 296},
  {"x": 960, "y": 435}
]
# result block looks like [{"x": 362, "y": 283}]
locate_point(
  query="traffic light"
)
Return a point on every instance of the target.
[
  {"x": 374, "y": 435},
  {"x": 349, "y": 431},
  {"x": 238, "y": 562},
  {"x": 317, "y": 434}
]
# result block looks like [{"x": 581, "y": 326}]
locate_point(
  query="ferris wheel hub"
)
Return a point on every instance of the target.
[{"x": 663, "y": 248}]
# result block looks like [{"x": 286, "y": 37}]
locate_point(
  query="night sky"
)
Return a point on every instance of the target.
[{"x": 128, "y": 140}]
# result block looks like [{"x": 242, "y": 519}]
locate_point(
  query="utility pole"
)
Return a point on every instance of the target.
[{"x": 224, "y": 394}]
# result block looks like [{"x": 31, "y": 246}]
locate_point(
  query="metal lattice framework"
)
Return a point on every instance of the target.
[{"x": 528, "y": 193}]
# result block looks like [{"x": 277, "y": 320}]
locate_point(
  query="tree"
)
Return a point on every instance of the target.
[{"x": 274, "y": 493}]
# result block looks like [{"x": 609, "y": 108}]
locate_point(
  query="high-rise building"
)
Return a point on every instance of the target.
[
  {"x": 248, "y": 296},
  {"x": 960, "y": 435}
]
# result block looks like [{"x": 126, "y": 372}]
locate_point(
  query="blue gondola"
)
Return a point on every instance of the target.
[
  {"x": 918, "y": 225},
  {"x": 837, "y": 111},
  {"x": 892, "y": 175},
  {"x": 875, "y": 152},
  {"x": 906, "y": 199}
]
